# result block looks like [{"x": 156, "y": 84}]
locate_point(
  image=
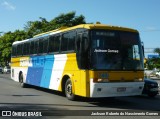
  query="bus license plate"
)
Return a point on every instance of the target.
[{"x": 121, "y": 89}]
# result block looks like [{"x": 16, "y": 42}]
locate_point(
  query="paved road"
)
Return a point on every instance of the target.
[{"x": 13, "y": 97}]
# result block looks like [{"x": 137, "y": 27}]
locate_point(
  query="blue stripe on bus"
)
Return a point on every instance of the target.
[
  {"x": 34, "y": 75},
  {"x": 39, "y": 73},
  {"x": 47, "y": 71}
]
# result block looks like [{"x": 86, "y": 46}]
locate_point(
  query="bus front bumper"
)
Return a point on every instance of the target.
[{"x": 115, "y": 89}]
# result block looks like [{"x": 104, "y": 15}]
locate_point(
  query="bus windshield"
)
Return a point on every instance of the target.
[{"x": 115, "y": 50}]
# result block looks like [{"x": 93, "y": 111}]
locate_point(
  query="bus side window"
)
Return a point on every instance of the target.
[
  {"x": 54, "y": 44},
  {"x": 82, "y": 42},
  {"x": 64, "y": 42},
  {"x": 14, "y": 50},
  {"x": 40, "y": 50},
  {"x": 81, "y": 50},
  {"x": 36, "y": 46},
  {"x": 136, "y": 53},
  {"x": 78, "y": 54},
  {"x": 78, "y": 43},
  {"x": 84, "y": 50},
  {"x": 45, "y": 45},
  {"x": 51, "y": 44},
  {"x": 85, "y": 42},
  {"x": 68, "y": 41},
  {"x": 19, "y": 49},
  {"x": 32, "y": 47},
  {"x": 26, "y": 48},
  {"x": 71, "y": 41}
]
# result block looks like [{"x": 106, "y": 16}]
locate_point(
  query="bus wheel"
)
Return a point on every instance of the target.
[
  {"x": 23, "y": 85},
  {"x": 68, "y": 90}
]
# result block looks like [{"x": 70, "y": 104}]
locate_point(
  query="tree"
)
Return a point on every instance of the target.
[
  {"x": 36, "y": 27},
  {"x": 157, "y": 50},
  {"x": 155, "y": 61},
  {"x": 67, "y": 20},
  {"x": 33, "y": 28},
  {"x": 6, "y": 43}
]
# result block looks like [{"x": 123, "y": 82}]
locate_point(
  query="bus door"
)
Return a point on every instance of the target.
[
  {"x": 82, "y": 44},
  {"x": 82, "y": 49}
]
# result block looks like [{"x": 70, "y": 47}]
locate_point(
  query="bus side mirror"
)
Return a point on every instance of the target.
[{"x": 143, "y": 48}]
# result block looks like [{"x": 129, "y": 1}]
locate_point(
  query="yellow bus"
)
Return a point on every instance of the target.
[{"x": 88, "y": 60}]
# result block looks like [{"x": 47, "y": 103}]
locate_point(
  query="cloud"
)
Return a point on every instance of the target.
[
  {"x": 150, "y": 28},
  {"x": 8, "y": 5}
]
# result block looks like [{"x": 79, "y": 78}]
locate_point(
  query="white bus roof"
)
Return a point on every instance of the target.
[{"x": 17, "y": 42}]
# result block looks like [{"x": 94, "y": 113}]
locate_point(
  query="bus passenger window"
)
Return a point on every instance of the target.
[
  {"x": 36, "y": 46},
  {"x": 26, "y": 48},
  {"x": 51, "y": 44},
  {"x": 45, "y": 45},
  {"x": 40, "y": 46},
  {"x": 14, "y": 50},
  {"x": 32, "y": 47},
  {"x": 64, "y": 42},
  {"x": 19, "y": 49},
  {"x": 54, "y": 43}
]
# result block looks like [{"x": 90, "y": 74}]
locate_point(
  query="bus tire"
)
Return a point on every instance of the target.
[
  {"x": 22, "y": 84},
  {"x": 68, "y": 90}
]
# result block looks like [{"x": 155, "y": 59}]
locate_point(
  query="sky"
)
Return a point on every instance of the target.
[{"x": 142, "y": 15}]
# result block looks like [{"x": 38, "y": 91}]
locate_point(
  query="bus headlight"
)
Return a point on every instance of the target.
[
  {"x": 138, "y": 79},
  {"x": 98, "y": 80}
]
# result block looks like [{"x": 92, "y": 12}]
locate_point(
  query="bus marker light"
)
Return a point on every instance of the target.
[{"x": 96, "y": 80}]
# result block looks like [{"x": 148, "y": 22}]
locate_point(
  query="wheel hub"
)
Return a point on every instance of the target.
[{"x": 69, "y": 89}]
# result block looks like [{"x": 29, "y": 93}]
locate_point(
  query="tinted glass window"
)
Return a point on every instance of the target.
[
  {"x": 64, "y": 42},
  {"x": 51, "y": 44},
  {"x": 26, "y": 48},
  {"x": 32, "y": 47},
  {"x": 14, "y": 50},
  {"x": 43, "y": 45},
  {"x": 71, "y": 41},
  {"x": 19, "y": 49},
  {"x": 54, "y": 43},
  {"x": 116, "y": 50},
  {"x": 68, "y": 41},
  {"x": 36, "y": 46}
]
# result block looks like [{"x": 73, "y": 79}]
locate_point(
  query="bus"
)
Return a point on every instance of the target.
[{"x": 87, "y": 60}]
